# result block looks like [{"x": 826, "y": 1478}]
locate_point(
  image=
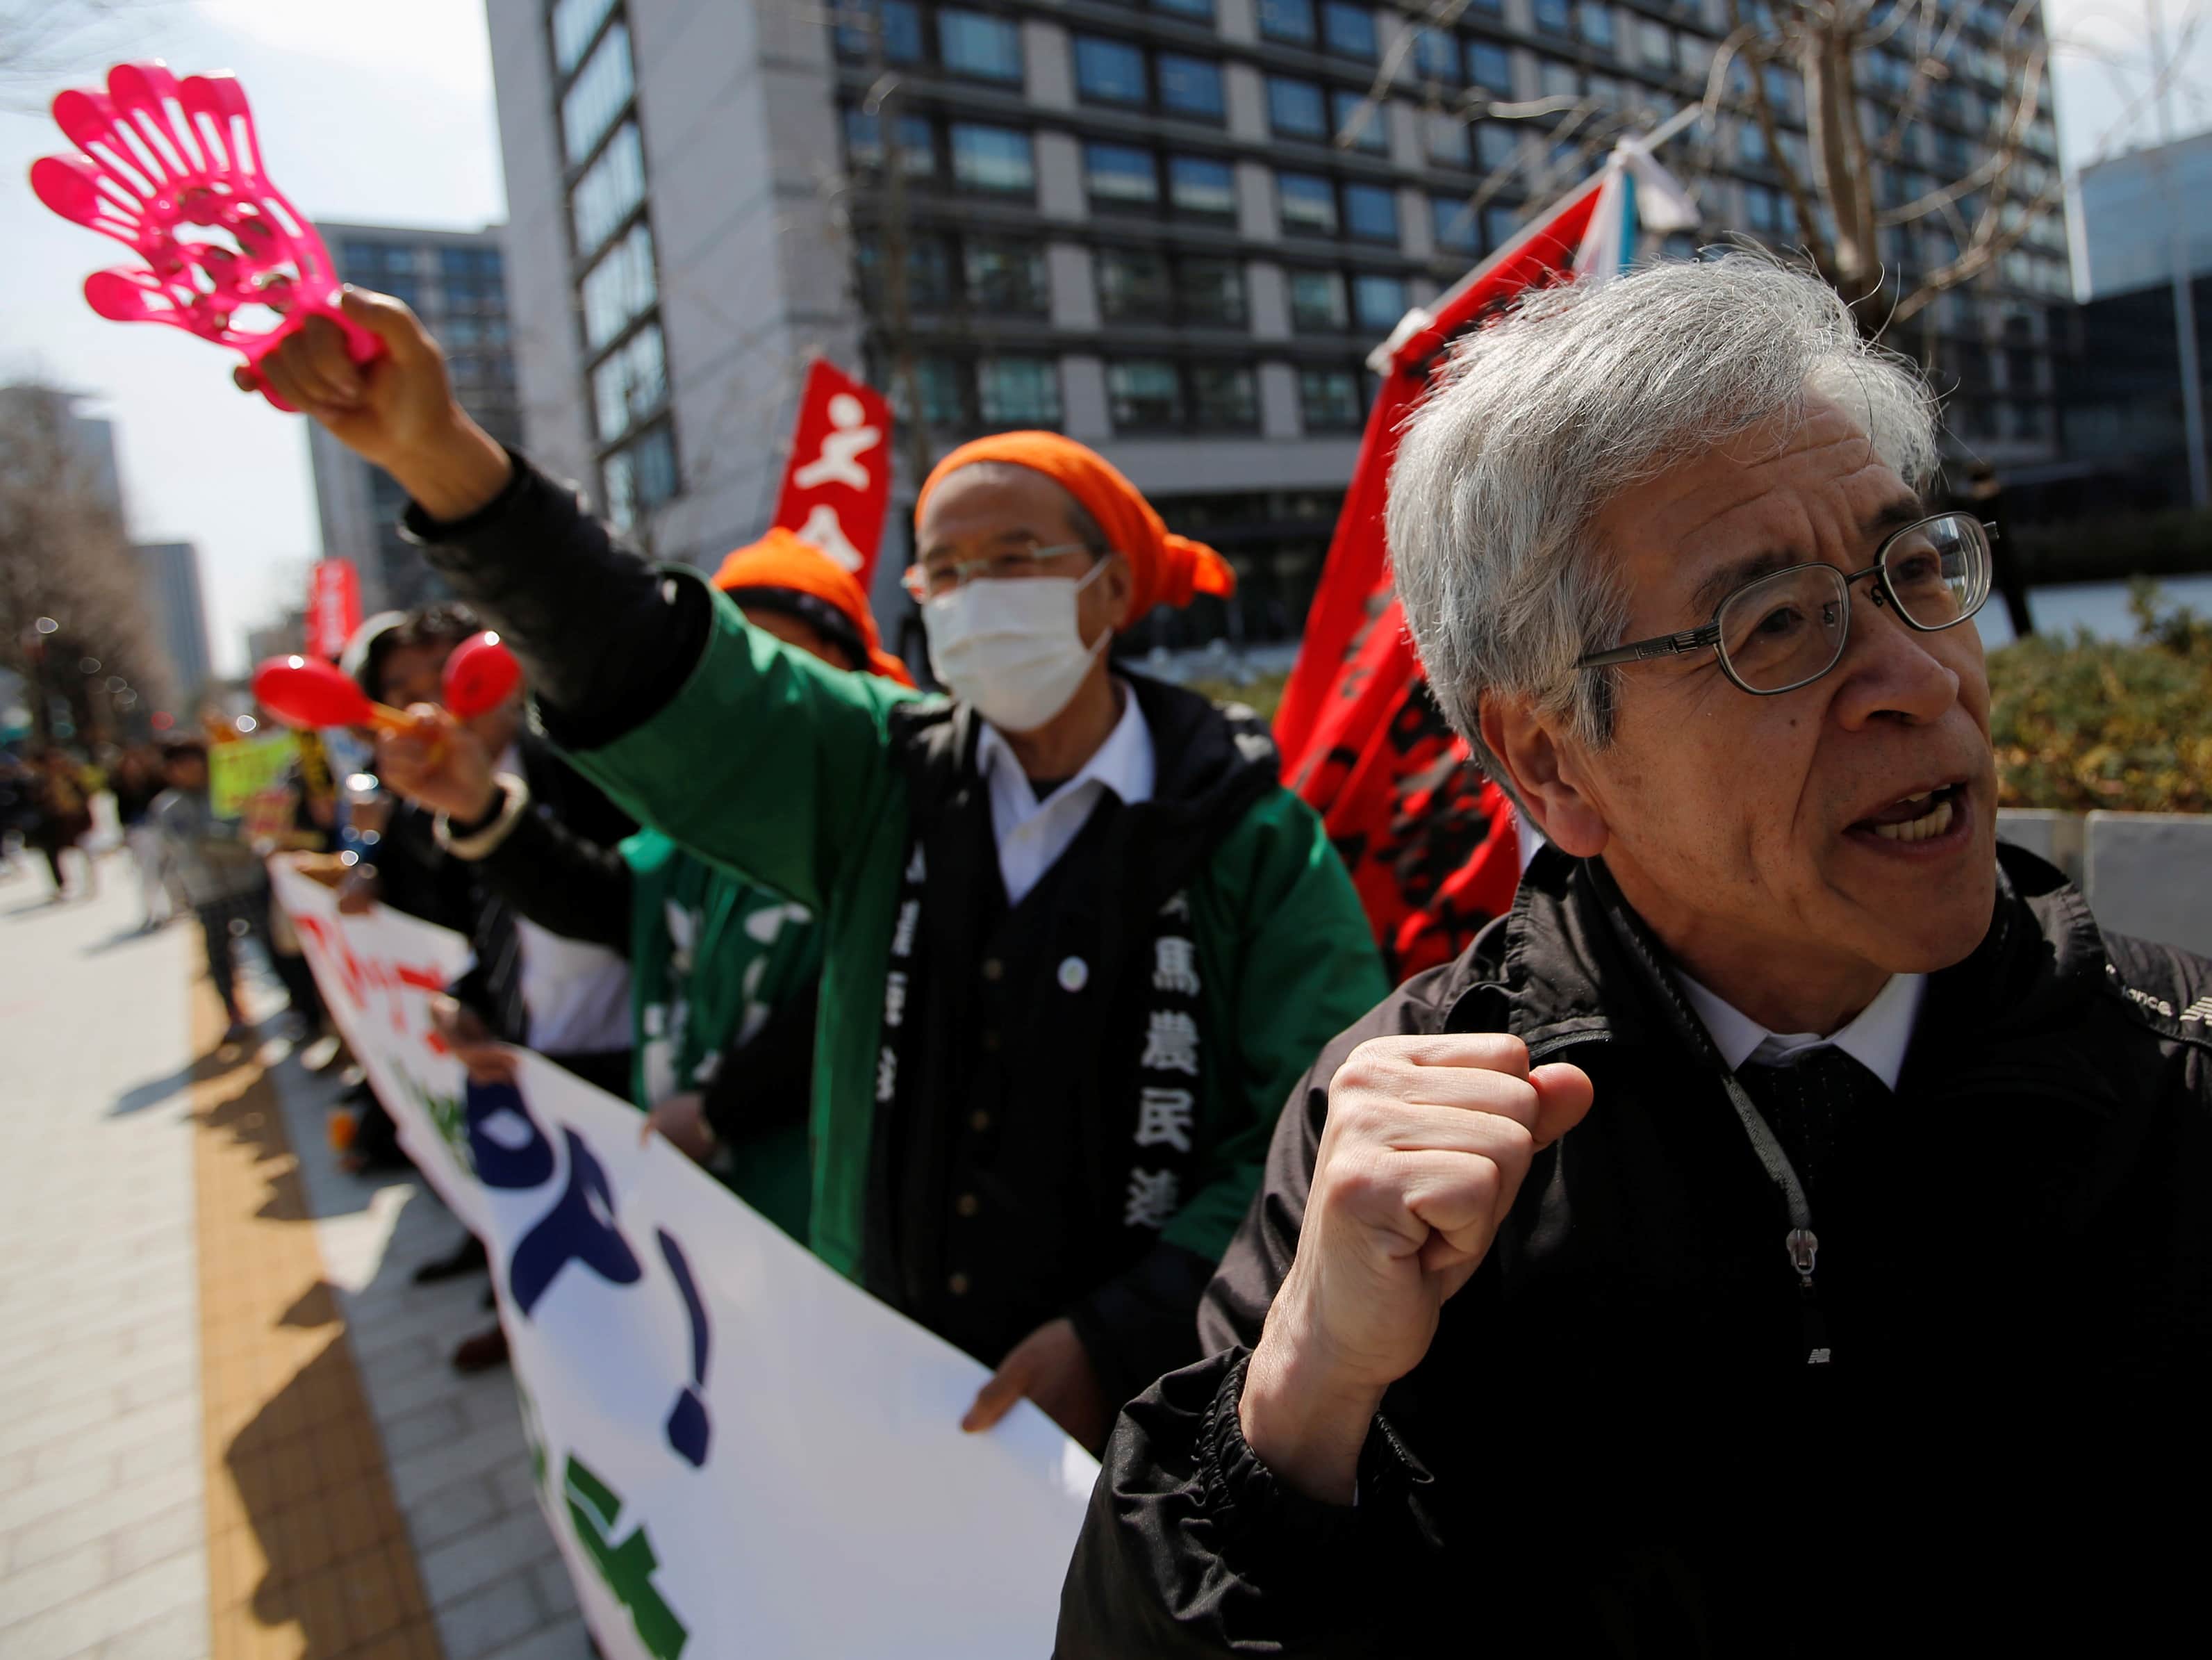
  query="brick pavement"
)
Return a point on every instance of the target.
[
  {"x": 280, "y": 1324},
  {"x": 101, "y": 1493}
]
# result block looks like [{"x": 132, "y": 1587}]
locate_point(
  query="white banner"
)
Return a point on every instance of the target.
[{"x": 740, "y": 1452}]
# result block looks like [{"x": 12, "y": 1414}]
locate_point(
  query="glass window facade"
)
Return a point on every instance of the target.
[
  {"x": 1456, "y": 224},
  {"x": 994, "y": 159},
  {"x": 1224, "y": 396},
  {"x": 574, "y": 23},
  {"x": 1371, "y": 213},
  {"x": 1307, "y": 204},
  {"x": 1004, "y": 278},
  {"x": 1109, "y": 71},
  {"x": 1134, "y": 286},
  {"x": 1210, "y": 291},
  {"x": 917, "y": 143},
  {"x": 1329, "y": 400},
  {"x": 1377, "y": 303},
  {"x": 1202, "y": 188},
  {"x": 1496, "y": 144},
  {"x": 1287, "y": 19},
  {"x": 1349, "y": 30},
  {"x": 1017, "y": 391},
  {"x": 640, "y": 476},
  {"x": 1490, "y": 66},
  {"x": 1296, "y": 108},
  {"x": 1366, "y": 125},
  {"x": 1435, "y": 55},
  {"x": 610, "y": 190},
  {"x": 630, "y": 384},
  {"x": 620, "y": 289},
  {"x": 976, "y": 44},
  {"x": 599, "y": 95},
  {"x": 1143, "y": 394},
  {"x": 1317, "y": 303},
  {"x": 893, "y": 27},
  {"x": 1190, "y": 86},
  {"x": 1120, "y": 175},
  {"x": 1444, "y": 139}
]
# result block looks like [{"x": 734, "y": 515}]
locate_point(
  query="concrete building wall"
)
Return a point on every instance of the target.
[
  {"x": 177, "y": 610},
  {"x": 456, "y": 281}
]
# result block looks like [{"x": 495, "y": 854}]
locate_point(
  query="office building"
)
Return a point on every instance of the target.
[
  {"x": 89, "y": 440},
  {"x": 2130, "y": 209},
  {"x": 456, "y": 281},
  {"x": 170, "y": 573},
  {"x": 285, "y": 634},
  {"x": 1172, "y": 229}
]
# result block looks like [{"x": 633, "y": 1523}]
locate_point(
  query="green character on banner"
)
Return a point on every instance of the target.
[{"x": 627, "y": 1567}]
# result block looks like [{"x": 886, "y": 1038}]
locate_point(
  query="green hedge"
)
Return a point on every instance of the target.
[
  {"x": 2083, "y": 723},
  {"x": 2079, "y": 723}
]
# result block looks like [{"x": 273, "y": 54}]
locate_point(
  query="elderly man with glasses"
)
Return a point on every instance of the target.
[
  {"x": 1079, "y": 942},
  {"x": 1781, "y": 1232}
]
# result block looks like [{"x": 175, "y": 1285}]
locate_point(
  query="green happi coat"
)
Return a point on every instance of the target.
[
  {"x": 787, "y": 769},
  {"x": 713, "y": 957}
]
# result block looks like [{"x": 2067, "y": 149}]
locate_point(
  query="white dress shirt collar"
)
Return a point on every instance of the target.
[
  {"x": 1876, "y": 1039},
  {"x": 1032, "y": 834}
]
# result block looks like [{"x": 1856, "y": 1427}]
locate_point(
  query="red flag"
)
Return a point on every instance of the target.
[
  {"x": 333, "y": 607},
  {"x": 1430, "y": 842},
  {"x": 837, "y": 484}
]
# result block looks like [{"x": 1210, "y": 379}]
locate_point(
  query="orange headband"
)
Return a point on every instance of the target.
[
  {"x": 1169, "y": 570},
  {"x": 780, "y": 563}
]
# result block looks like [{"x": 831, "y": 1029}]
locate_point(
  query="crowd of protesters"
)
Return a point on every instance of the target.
[{"x": 1494, "y": 1306}]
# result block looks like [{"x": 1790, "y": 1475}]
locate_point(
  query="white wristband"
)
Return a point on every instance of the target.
[{"x": 486, "y": 840}]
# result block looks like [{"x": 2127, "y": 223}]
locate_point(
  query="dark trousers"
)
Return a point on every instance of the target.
[{"x": 227, "y": 922}]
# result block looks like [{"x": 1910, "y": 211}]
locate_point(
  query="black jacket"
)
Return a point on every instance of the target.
[{"x": 1614, "y": 1444}]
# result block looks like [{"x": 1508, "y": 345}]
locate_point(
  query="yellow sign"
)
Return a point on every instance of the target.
[{"x": 240, "y": 770}]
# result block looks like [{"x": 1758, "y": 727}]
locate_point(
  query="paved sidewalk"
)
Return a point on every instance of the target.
[
  {"x": 101, "y": 1497},
  {"x": 216, "y": 1411},
  {"x": 459, "y": 1467}
]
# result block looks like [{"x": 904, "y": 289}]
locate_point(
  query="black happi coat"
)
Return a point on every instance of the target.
[
  {"x": 1615, "y": 1445},
  {"x": 999, "y": 1176}
]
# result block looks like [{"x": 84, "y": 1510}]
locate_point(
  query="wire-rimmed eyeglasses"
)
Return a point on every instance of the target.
[
  {"x": 1787, "y": 628},
  {"x": 930, "y": 581}
]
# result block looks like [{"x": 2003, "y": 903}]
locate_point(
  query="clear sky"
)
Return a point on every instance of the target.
[{"x": 383, "y": 113}]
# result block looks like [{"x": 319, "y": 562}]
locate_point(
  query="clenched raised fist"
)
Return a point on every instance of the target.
[{"x": 1427, "y": 1141}]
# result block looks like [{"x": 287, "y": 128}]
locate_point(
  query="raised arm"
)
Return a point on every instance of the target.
[{"x": 740, "y": 749}]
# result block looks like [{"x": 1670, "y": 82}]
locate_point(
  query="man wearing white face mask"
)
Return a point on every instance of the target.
[{"x": 1079, "y": 941}]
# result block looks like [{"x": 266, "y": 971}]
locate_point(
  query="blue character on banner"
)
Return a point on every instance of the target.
[{"x": 512, "y": 1152}]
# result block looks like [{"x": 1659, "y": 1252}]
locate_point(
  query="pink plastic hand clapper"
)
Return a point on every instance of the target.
[{"x": 159, "y": 154}]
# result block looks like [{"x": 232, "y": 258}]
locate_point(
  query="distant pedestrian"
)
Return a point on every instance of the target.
[
  {"x": 215, "y": 871},
  {"x": 136, "y": 782},
  {"x": 61, "y": 818}
]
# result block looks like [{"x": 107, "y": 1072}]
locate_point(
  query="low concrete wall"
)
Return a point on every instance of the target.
[
  {"x": 2145, "y": 874},
  {"x": 2151, "y": 874}
]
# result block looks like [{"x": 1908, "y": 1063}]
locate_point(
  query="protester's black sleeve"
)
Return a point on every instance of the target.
[
  {"x": 765, "y": 1084},
  {"x": 1191, "y": 1547},
  {"x": 566, "y": 885},
  {"x": 607, "y": 639},
  {"x": 1143, "y": 1324}
]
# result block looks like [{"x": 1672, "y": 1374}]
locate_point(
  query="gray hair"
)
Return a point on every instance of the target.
[{"x": 1582, "y": 392}]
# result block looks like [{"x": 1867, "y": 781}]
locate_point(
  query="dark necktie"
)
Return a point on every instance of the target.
[{"x": 1806, "y": 1102}]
